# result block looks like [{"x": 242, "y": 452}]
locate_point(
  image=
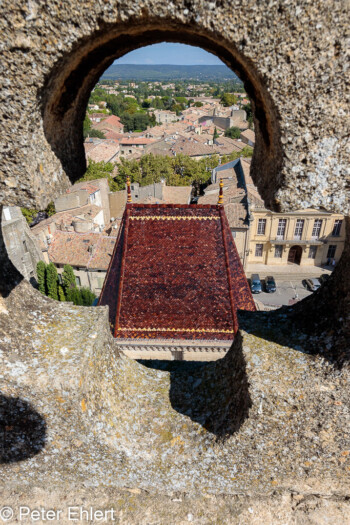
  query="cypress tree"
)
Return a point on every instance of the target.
[
  {"x": 40, "y": 270},
  {"x": 87, "y": 296},
  {"x": 61, "y": 295},
  {"x": 68, "y": 280},
  {"x": 75, "y": 296},
  {"x": 52, "y": 281}
]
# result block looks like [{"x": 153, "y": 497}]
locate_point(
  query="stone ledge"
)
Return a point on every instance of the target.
[{"x": 267, "y": 417}]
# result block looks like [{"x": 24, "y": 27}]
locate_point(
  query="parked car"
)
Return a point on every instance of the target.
[
  {"x": 270, "y": 284},
  {"x": 255, "y": 284},
  {"x": 324, "y": 277},
  {"x": 312, "y": 284}
]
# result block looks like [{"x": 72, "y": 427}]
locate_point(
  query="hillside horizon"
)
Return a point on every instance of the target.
[{"x": 167, "y": 72}]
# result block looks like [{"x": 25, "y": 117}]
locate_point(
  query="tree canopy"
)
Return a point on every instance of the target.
[
  {"x": 228, "y": 99},
  {"x": 233, "y": 133}
]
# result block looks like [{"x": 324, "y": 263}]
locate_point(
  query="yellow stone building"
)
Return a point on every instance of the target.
[{"x": 306, "y": 237}]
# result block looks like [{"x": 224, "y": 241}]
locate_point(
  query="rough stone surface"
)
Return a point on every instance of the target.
[
  {"x": 290, "y": 54},
  {"x": 266, "y": 421}
]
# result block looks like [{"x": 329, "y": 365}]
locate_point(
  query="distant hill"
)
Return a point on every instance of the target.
[{"x": 166, "y": 72}]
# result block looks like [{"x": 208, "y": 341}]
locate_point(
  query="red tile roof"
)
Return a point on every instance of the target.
[
  {"x": 135, "y": 140},
  {"x": 175, "y": 273},
  {"x": 88, "y": 250},
  {"x": 90, "y": 188}
]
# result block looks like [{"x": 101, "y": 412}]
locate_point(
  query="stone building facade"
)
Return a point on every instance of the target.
[{"x": 304, "y": 237}]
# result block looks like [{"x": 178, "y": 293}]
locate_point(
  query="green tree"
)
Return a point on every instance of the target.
[
  {"x": 75, "y": 296},
  {"x": 52, "y": 281},
  {"x": 40, "y": 270},
  {"x": 100, "y": 170},
  {"x": 68, "y": 279},
  {"x": 61, "y": 296},
  {"x": 86, "y": 126},
  {"x": 87, "y": 296},
  {"x": 29, "y": 214},
  {"x": 228, "y": 99},
  {"x": 97, "y": 133},
  {"x": 216, "y": 134},
  {"x": 233, "y": 133},
  {"x": 50, "y": 209},
  {"x": 198, "y": 104},
  {"x": 247, "y": 151}
]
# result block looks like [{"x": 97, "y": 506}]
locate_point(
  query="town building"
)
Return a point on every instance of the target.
[
  {"x": 305, "y": 237},
  {"x": 169, "y": 295},
  {"x": 86, "y": 192},
  {"x": 132, "y": 144},
  {"x": 102, "y": 150},
  {"x": 89, "y": 255},
  {"x": 164, "y": 117},
  {"x": 248, "y": 137},
  {"x": 156, "y": 193},
  {"x": 110, "y": 123}
]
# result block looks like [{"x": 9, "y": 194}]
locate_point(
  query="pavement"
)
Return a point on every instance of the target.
[
  {"x": 292, "y": 271},
  {"x": 287, "y": 293},
  {"x": 289, "y": 282}
]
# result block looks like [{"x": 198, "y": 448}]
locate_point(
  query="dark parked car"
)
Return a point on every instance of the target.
[
  {"x": 312, "y": 284},
  {"x": 324, "y": 277},
  {"x": 270, "y": 284},
  {"x": 255, "y": 284}
]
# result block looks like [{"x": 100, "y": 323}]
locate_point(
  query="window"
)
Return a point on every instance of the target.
[
  {"x": 336, "y": 228},
  {"x": 331, "y": 251},
  {"x": 316, "y": 229},
  {"x": 233, "y": 234},
  {"x": 261, "y": 226},
  {"x": 77, "y": 281},
  {"x": 299, "y": 226},
  {"x": 258, "y": 250},
  {"x": 281, "y": 229},
  {"x": 92, "y": 197},
  {"x": 312, "y": 252},
  {"x": 278, "y": 251}
]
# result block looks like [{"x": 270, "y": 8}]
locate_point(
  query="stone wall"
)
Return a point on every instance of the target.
[{"x": 21, "y": 245}]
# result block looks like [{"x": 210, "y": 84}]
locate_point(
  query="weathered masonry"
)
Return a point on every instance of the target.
[{"x": 94, "y": 412}]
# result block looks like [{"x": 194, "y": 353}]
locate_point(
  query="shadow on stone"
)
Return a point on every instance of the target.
[
  {"x": 213, "y": 394},
  {"x": 22, "y": 430},
  {"x": 317, "y": 325}
]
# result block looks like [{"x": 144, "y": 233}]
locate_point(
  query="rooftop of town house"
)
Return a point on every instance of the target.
[
  {"x": 232, "y": 144},
  {"x": 104, "y": 151},
  {"x": 88, "y": 250},
  {"x": 135, "y": 140},
  {"x": 248, "y": 134},
  {"x": 111, "y": 121},
  {"x": 85, "y": 185},
  {"x": 62, "y": 218},
  {"x": 113, "y": 135},
  {"x": 175, "y": 274},
  {"x": 176, "y": 194}
]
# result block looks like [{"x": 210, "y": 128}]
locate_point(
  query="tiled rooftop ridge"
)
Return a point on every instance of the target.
[{"x": 172, "y": 276}]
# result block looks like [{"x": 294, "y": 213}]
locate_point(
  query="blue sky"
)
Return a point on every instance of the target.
[{"x": 169, "y": 53}]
